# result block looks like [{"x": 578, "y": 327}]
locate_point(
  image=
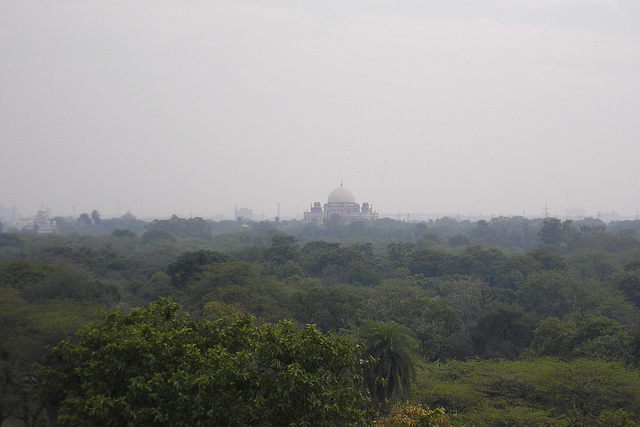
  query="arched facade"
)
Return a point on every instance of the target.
[{"x": 341, "y": 208}]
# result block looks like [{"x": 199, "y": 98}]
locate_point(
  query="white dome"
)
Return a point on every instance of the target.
[{"x": 341, "y": 195}]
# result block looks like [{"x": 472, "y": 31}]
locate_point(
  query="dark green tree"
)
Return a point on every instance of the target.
[
  {"x": 503, "y": 332},
  {"x": 281, "y": 253},
  {"x": 330, "y": 308},
  {"x": 516, "y": 269},
  {"x": 335, "y": 264},
  {"x": 312, "y": 254},
  {"x": 27, "y": 329},
  {"x": 591, "y": 336},
  {"x": 399, "y": 253},
  {"x": 155, "y": 367},
  {"x": 189, "y": 265},
  {"x": 84, "y": 219},
  {"x": 551, "y": 233},
  {"x": 628, "y": 281},
  {"x": 431, "y": 262},
  {"x": 548, "y": 259},
  {"x": 551, "y": 294},
  {"x": 478, "y": 262}
]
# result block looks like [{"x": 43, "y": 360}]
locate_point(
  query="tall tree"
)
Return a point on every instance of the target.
[
  {"x": 84, "y": 219},
  {"x": 551, "y": 233},
  {"x": 95, "y": 216},
  {"x": 393, "y": 347}
]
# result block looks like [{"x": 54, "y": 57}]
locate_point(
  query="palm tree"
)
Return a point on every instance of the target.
[{"x": 393, "y": 347}]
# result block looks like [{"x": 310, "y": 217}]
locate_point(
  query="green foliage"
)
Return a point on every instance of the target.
[
  {"x": 26, "y": 330},
  {"x": 468, "y": 295},
  {"x": 99, "y": 256},
  {"x": 123, "y": 232},
  {"x": 282, "y": 257},
  {"x": 473, "y": 261},
  {"x": 594, "y": 264},
  {"x": 240, "y": 284},
  {"x": 516, "y": 269},
  {"x": 142, "y": 292},
  {"x": 548, "y": 259},
  {"x": 516, "y": 232},
  {"x": 556, "y": 294},
  {"x": 21, "y": 274},
  {"x": 11, "y": 247},
  {"x": 392, "y": 346},
  {"x": 335, "y": 264},
  {"x": 155, "y": 367},
  {"x": 363, "y": 276},
  {"x": 632, "y": 265},
  {"x": 592, "y": 336},
  {"x": 430, "y": 263},
  {"x": 483, "y": 263},
  {"x": 433, "y": 321},
  {"x": 399, "y": 253},
  {"x": 157, "y": 235},
  {"x": 328, "y": 308},
  {"x": 458, "y": 240},
  {"x": 532, "y": 392},
  {"x": 39, "y": 282},
  {"x": 619, "y": 418},
  {"x": 551, "y": 233},
  {"x": 551, "y": 294},
  {"x": 282, "y": 249},
  {"x": 11, "y": 240},
  {"x": 190, "y": 264},
  {"x": 505, "y": 331},
  {"x": 460, "y": 300},
  {"x": 628, "y": 281}
]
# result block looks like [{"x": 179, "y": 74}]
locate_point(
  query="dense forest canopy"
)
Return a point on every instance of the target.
[{"x": 503, "y": 322}]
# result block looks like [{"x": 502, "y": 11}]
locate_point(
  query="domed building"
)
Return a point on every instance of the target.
[
  {"x": 42, "y": 224},
  {"x": 128, "y": 217},
  {"x": 341, "y": 208}
]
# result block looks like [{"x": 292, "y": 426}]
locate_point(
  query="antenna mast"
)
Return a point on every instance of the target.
[{"x": 546, "y": 210}]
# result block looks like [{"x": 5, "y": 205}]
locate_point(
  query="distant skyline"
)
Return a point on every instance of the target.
[
  {"x": 9, "y": 216},
  {"x": 193, "y": 107}
]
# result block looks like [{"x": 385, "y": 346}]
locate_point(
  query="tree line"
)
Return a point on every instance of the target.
[{"x": 473, "y": 322}]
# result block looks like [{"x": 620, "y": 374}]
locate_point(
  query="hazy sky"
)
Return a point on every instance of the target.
[{"x": 193, "y": 107}]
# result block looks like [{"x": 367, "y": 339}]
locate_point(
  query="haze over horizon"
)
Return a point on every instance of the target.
[{"x": 194, "y": 107}]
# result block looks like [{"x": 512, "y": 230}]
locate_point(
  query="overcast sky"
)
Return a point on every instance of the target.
[{"x": 491, "y": 107}]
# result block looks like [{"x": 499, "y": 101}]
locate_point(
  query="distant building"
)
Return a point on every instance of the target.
[
  {"x": 575, "y": 213},
  {"x": 42, "y": 224},
  {"x": 341, "y": 208},
  {"x": 609, "y": 216},
  {"x": 244, "y": 214},
  {"x": 128, "y": 217}
]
